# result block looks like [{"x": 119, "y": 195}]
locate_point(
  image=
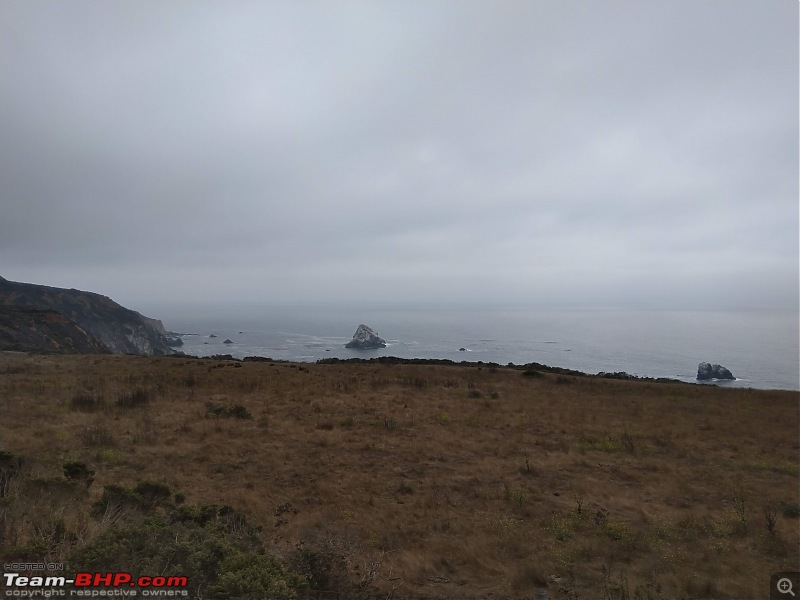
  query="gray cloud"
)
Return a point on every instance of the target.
[{"x": 555, "y": 152}]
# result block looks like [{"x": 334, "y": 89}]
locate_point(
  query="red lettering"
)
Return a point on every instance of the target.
[
  {"x": 144, "y": 581},
  {"x": 100, "y": 579},
  {"x": 83, "y": 579},
  {"x": 159, "y": 581},
  {"x": 121, "y": 578}
]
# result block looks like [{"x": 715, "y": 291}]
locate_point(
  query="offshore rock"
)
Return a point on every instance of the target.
[
  {"x": 365, "y": 339},
  {"x": 706, "y": 371}
]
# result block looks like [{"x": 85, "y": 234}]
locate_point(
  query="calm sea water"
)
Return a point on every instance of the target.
[{"x": 760, "y": 348}]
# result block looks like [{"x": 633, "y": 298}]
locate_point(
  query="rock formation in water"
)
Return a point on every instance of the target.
[
  {"x": 365, "y": 339},
  {"x": 173, "y": 341},
  {"x": 706, "y": 371}
]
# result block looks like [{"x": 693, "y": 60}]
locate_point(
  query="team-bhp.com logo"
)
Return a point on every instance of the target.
[{"x": 94, "y": 585}]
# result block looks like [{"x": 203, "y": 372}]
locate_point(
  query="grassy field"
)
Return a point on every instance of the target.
[{"x": 373, "y": 480}]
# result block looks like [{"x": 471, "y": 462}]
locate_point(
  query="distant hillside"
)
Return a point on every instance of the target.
[{"x": 110, "y": 327}]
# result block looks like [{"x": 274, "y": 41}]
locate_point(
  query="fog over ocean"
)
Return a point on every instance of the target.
[{"x": 759, "y": 347}]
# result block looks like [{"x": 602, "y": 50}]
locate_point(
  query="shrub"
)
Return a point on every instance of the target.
[
  {"x": 505, "y": 525},
  {"x": 242, "y": 575},
  {"x": 144, "y": 497},
  {"x": 10, "y": 467},
  {"x": 238, "y": 411},
  {"x": 78, "y": 472},
  {"x": 215, "y": 562},
  {"x": 111, "y": 456},
  {"x": 197, "y": 514},
  {"x": 519, "y": 497},
  {"x": 152, "y": 492},
  {"x": 215, "y": 410},
  {"x": 618, "y": 532},
  {"x": 628, "y": 441},
  {"x": 220, "y": 410},
  {"x": 608, "y": 444},
  {"x": 790, "y": 510},
  {"x": 313, "y": 565},
  {"x": 97, "y": 437},
  {"x": 116, "y": 497},
  {"x": 770, "y": 518},
  {"x": 562, "y": 526},
  {"x": 740, "y": 502},
  {"x": 323, "y": 568},
  {"x": 86, "y": 402},
  {"x": 137, "y": 397}
]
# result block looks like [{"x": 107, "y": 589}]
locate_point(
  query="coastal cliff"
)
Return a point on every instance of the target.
[
  {"x": 31, "y": 330},
  {"x": 113, "y": 327}
]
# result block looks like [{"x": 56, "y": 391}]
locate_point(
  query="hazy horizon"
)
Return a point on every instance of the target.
[{"x": 400, "y": 154}]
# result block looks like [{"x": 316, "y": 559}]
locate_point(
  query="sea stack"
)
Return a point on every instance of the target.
[
  {"x": 365, "y": 339},
  {"x": 706, "y": 371}
]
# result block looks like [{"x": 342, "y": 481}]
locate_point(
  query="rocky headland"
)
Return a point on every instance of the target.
[
  {"x": 50, "y": 319},
  {"x": 32, "y": 330}
]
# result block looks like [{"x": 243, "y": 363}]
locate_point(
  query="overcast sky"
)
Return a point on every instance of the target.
[{"x": 402, "y": 152}]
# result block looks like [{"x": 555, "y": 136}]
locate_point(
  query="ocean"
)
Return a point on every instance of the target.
[{"x": 759, "y": 347}]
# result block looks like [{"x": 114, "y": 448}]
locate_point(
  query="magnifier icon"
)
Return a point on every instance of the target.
[{"x": 784, "y": 586}]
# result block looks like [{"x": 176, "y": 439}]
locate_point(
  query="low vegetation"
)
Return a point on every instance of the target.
[{"x": 373, "y": 480}]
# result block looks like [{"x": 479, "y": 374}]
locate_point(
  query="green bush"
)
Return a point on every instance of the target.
[
  {"x": 197, "y": 543},
  {"x": 322, "y": 568},
  {"x": 144, "y": 497},
  {"x": 245, "y": 576},
  {"x": 192, "y": 513},
  {"x": 116, "y": 497},
  {"x": 152, "y": 492},
  {"x": 220, "y": 410}
]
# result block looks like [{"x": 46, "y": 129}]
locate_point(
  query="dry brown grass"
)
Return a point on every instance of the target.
[{"x": 454, "y": 481}]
